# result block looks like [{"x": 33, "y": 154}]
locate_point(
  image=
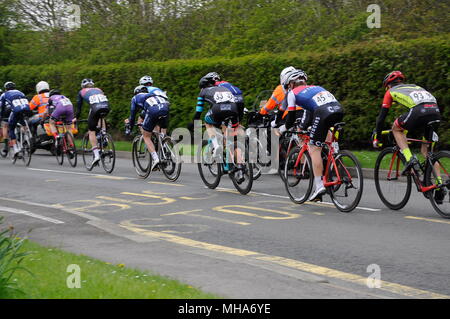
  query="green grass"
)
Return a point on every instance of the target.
[{"x": 99, "y": 280}]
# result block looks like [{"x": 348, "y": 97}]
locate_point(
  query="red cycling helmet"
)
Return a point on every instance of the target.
[{"x": 395, "y": 76}]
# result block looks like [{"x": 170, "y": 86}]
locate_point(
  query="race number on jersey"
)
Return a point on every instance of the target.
[
  {"x": 224, "y": 97},
  {"x": 423, "y": 96},
  {"x": 20, "y": 102},
  {"x": 97, "y": 98},
  {"x": 65, "y": 102},
  {"x": 323, "y": 98}
]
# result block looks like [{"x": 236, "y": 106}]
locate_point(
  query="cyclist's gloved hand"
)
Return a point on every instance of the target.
[{"x": 375, "y": 142}]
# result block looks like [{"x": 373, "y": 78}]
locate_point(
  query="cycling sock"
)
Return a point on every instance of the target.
[
  {"x": 96, "y": 152},
  {"x": 214, "y": 142},
  {"x": 407, "y": 153},
  {"x": 155, "y": 156},
  {"x": 319, "y": 182}
]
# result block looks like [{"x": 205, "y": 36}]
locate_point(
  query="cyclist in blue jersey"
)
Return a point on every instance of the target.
[
  {"x": 155, "y": 105},
  {"x": 147, "y": 82},
  {"x": 18, "y": 106},
  {"x": 99, "y": 108},
  {"x": 326, "y": 111}
]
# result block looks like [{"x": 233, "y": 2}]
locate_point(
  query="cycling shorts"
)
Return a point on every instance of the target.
[
  {"x": 95, "y": 114},
  {"x": 157, "y": 115},
  {"x": 220, "y": 112},
  {"x": 416, "y": 120},
  {"x": 63, "y": 112},
  {"x": 323, "y": 119}
]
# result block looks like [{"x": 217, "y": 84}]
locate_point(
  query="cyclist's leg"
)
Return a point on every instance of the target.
[
  {"x": 211, "y": 125},
  {"x": 407, "y": 122},
  {"x": 93, "y": 119},
  {"x": 148, "y": 125},
  {"x": 12, "y": 123},
  {"x": 5, "y": 135}
]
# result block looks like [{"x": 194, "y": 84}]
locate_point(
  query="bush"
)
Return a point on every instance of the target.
[{"x": 353, "y": 74}]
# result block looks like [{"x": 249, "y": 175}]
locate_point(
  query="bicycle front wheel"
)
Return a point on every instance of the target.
[
  {"x": 59, "y": 150},
  {"x": 26, "y": 151},
  {"x": 210, "y": 171},
  {"x": 298, "y": 179},
  {"x": 86, "y": 151},
  {"x": 347, "y": 194},
  {"x": 170, "y": 160},
  {"x": 439, "y": 174},
  {"x": 393, "y": 189},
  {"x": 141, "y": 157},
  {"x": 108, "y": 153}
]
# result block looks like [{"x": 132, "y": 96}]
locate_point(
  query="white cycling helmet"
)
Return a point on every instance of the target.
[
  {"x": 145, "y": 80},
  {"x": 87, "y": 83},
  {"x": 292, "y": 75},
  {"x": 42, "y": 86},
  {"x": 140, "y": 89}
]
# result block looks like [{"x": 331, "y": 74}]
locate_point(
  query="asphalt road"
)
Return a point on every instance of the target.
[{"x": 256, "y": 246}]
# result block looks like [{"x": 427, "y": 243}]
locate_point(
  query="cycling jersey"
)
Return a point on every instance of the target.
[
  {"x": 94, "y": 97},
  {"x": 7, "y": 100},
  {"x": 222, "y": 105},
  {"x": 151, "y": 103},
  {"x": 17, "y": 103},
  {"x": 63, "y": 108},
  {"x": 40, "y": 102},
  {"x": 238, "y": 95},
  {"x": 324, "y": 107},
  {"x": 422, "y": 106},
  {"x": 409, "y": 95}
]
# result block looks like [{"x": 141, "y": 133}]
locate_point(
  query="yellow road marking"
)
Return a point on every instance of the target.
[
  {"x": 225, "y": 190},
  {"x": 198, "y": 198},
  {"x": 164, "y": 200},
  {"x": 429, "y": 219},
  {"x": 168, "y": 184},
  {"x": 190, "y": 213},
  {"x": 230, "y": 209},
  {"x": 295, "y": 264}
]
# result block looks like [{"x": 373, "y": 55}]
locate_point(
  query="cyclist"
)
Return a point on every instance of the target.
[
  {"x": 17, "y": 103},
  {"x": 99, "y": 108},
  {"x": 238, "y": 95},
  {"x": 423, "y": 109},
  {"x": 326, "y": 111},
  {"x": 62, "y": 110},
  {"x": 147, "y": 82},
  {"x": 39, "y": 101},
  {"x": 222, "y": 105},
  {"x": 156, "y": 112}
]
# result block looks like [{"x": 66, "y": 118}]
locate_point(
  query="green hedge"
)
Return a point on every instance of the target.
[{"x": 354, "y": 75}]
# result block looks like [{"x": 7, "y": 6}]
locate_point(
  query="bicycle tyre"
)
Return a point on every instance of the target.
[
  {"x": 217, "y": 173},
  {"x": 141, "y": 171},
  {"x": 107, "y": 153},
  {"x": 72, "y": 154},
  {"x": 346, "y": 208},
  {"x": 292, "y": 183},
  {"x": 442, "y": 209},
  {"x": 384, "y": 191},
  {"x": 87, "y": 152},
  {"x": 174, "y": 172},
  {"x": 59, "y": 150}
]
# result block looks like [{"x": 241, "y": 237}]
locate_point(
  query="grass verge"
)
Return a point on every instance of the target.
[{"x": 99, "y": 280}]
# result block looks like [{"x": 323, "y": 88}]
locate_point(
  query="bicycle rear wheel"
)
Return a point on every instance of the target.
[
  {"x": 170, "y": 160},
  {"x": 108, "y": 153},
  {"x": 88, "y": 154},
  {"x": 210, "y": 171},
  {"x": 242, "y": 177},
  {"x": 346, "y": 196},
  {"x": 142, "y": 159},
  {"x": 440, "y": 198},
  {"x": 26, "y": 151},
  {"x": 298, "y": 179},
  {"x": 71, "y": 149},
  {"x": 393, "y": 189}
]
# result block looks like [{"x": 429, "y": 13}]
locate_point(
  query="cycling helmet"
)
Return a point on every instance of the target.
[
  {"x": 145, "y": 80},
  {"x": 393, "y": 77},
  {"x": 10, "y": 86},
  {"x": 292, "y": 75},
  {"x": 214, "y": 76},
  {"x": 285, "y": 72},
  {"x": 54, "y": 92},
  {"x": 87, "y": 83},
  {"x": 42, "y": 86},
  {"x": 140, "y": 89},
  {"x": 206, "y": 82}
]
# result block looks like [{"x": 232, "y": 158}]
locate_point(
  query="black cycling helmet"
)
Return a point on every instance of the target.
[
  {"x": 206, "y": 82},
  {"x": 10, "y": 86},
  {"x": 213, "y": 75},
  {"x": 54, "y": 92}
]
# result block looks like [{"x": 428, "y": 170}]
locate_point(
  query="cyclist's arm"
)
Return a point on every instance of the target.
[
  {"x": 133, "y": 111},
  {"x": 275, "y": 100},
  {"x": 199, "y": 108},
  {"x": 292, "y": 108},
  {"x": 387, "y": 103},
  {"x": 79, "y": 105}
]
